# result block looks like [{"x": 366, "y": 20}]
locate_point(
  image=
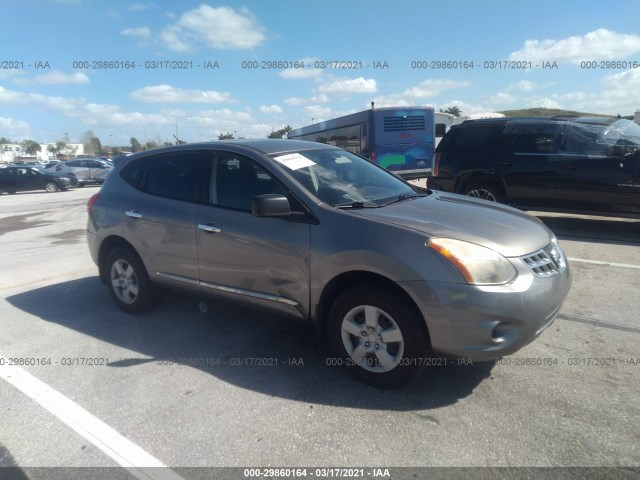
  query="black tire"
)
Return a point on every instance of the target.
[
  {"x": 485, "y": 191},
  {"x": 51, "y": 187},
  {"x": 128, "y": 282},
  {"x": 360, "y": 347}
]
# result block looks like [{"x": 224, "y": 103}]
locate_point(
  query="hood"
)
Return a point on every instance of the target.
[{"x": 508, "y": 231}]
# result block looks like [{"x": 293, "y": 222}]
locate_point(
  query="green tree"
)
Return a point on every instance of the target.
[
  {"x": 31, "y": 147},
  {"x": 135, "y": 145},
  {"x": 61, "y": 146},
  {"x": 226, "y": 136},
  {"x": 4, "y": 140},
  {"x": 53, "y": 149},
  {"x": 151, "y": 144},
  {"x": 92, "y": 145},
  {"x": 280, "y": 133},
  {"x": 95, "y": 147}
]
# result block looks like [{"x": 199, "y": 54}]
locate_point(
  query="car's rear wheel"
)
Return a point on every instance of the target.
[
  {"x": 128, "y": 282},
  {"x": 377, "y": 336},
  {"x": 51, "y": 187},
  {"x": 484, "y": 191}
]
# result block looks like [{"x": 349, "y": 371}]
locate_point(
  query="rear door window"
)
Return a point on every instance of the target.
[
  {"x": 174, "y": 175},
  {"x": 537, "y": 138}
]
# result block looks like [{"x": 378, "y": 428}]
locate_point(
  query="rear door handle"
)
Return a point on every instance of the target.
[
  {"x": 133, "y": 214},
  {"x": 209, "y": 228}
]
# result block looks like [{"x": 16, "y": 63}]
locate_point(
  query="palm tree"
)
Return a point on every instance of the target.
[{"x": 455, "y": 111}]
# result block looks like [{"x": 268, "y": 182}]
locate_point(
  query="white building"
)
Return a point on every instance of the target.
[
  {"x": 9, "y": 152},
  {"x": 71, "y": 150}
]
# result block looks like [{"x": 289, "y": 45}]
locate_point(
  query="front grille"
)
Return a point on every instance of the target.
[{"x": 547, "y": 262}]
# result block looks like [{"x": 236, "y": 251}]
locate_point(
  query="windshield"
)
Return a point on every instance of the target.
[
  {"x": 342, "y": 179},
  {"x": 622, "y": 131},
  {"x": 619, "y": 137}
]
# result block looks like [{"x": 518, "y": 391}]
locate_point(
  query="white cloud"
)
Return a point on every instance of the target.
[
  {"x": 600, "y": 44},
  {"x": 348, "y": 86},
  {"x": 523, "y": 86},
  {"x": 308, "y": 71},
  {"x": 138, "y": 32},
  {"x": 294, "y": 101},
  {"x": 220, "y": 28},
  {"x": 318, "y": 113},
  {"x": 88, "y": 114},
  {"x": 503, "y": 98},
  {"x": 173, "y": 38},
  {"x": 270, "y": 109},
  {"x": 420, "y": 94},
  {"x": 169, "y": 94},
  {"x": 300, "y": 73},
  {"x": 12, "y": 128},
  {"x": 56, "y": 78}
]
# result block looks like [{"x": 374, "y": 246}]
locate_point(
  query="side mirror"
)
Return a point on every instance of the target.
[{"x": 270, "y": 205}]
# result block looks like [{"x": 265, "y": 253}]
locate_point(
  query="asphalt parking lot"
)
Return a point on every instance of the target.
[{"x": 233, "y": 387}]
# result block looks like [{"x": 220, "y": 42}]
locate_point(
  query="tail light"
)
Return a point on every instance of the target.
[
  {"x": 373, "y": 157},
  {"x": 92, "y": 201},
  {"x": 436, "y": 165}
]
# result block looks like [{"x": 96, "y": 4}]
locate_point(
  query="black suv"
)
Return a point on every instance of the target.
[{"x": 571, "y": 164}]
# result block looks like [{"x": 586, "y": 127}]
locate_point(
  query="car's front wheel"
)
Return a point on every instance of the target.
[
  {"x": 377, "y": 336},
  {"x": 51, "y": 187},
  {"x": 128, "y": 282}
]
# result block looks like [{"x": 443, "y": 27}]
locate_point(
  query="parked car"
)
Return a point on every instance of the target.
[
  {"x": 574, "y": 164},
  {"x": 388, "y": 272},
  {"x": 89, "y": 171},
  {"x": 22, "y": 179}
]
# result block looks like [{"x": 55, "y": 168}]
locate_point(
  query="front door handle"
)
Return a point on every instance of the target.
[
  {"x": 209, "y": 228},
  {"x": 133, "y": 214}
]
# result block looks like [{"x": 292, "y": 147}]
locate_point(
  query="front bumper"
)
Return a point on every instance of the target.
[{"x": 486, "y": 323}]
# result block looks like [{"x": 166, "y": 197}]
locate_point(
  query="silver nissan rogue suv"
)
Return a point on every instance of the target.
[{"x": 389, "y": 273}]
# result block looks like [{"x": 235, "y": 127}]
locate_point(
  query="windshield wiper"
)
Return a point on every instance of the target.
[
  {"x": 404, "y": 196},
  {"x": 359, "y": 205}
]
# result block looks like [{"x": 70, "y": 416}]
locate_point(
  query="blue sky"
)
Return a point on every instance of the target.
[{"x": 45, "y": 93}]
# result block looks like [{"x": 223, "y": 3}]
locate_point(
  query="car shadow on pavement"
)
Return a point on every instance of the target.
[
  {"x": 594, "y": 229},
  {"x": 262, "y": 352}
]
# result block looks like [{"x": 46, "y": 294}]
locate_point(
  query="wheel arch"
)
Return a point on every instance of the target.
[
  {"x": 108, "y": 245},
  {"x": 347, "y": 279},
  {"x": 471, "y": 178}
]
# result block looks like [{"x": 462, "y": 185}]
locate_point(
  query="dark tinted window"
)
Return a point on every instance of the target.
[
  {"x": 532, "y": 138},
  {"x": 236, "y": 180},
  {"x": 174, "y": 175},
  {"x": 134, "y": 171},
  {"x": 474, "y": 138}
]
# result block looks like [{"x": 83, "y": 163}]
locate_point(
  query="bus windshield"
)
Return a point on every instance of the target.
[{"x": 342, "y": 179}]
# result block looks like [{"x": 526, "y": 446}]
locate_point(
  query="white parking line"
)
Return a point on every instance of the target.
[
  {"x": 139, "y": 463},
  {"x": 599, "y": 262}
]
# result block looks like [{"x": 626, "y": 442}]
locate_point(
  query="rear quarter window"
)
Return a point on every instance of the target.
[
  {"x": 134, "y": 172},
  {"x": 473, "y": 138}
]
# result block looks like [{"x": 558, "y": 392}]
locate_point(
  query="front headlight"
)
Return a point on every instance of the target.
[{"x": 478, "y": 265}]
